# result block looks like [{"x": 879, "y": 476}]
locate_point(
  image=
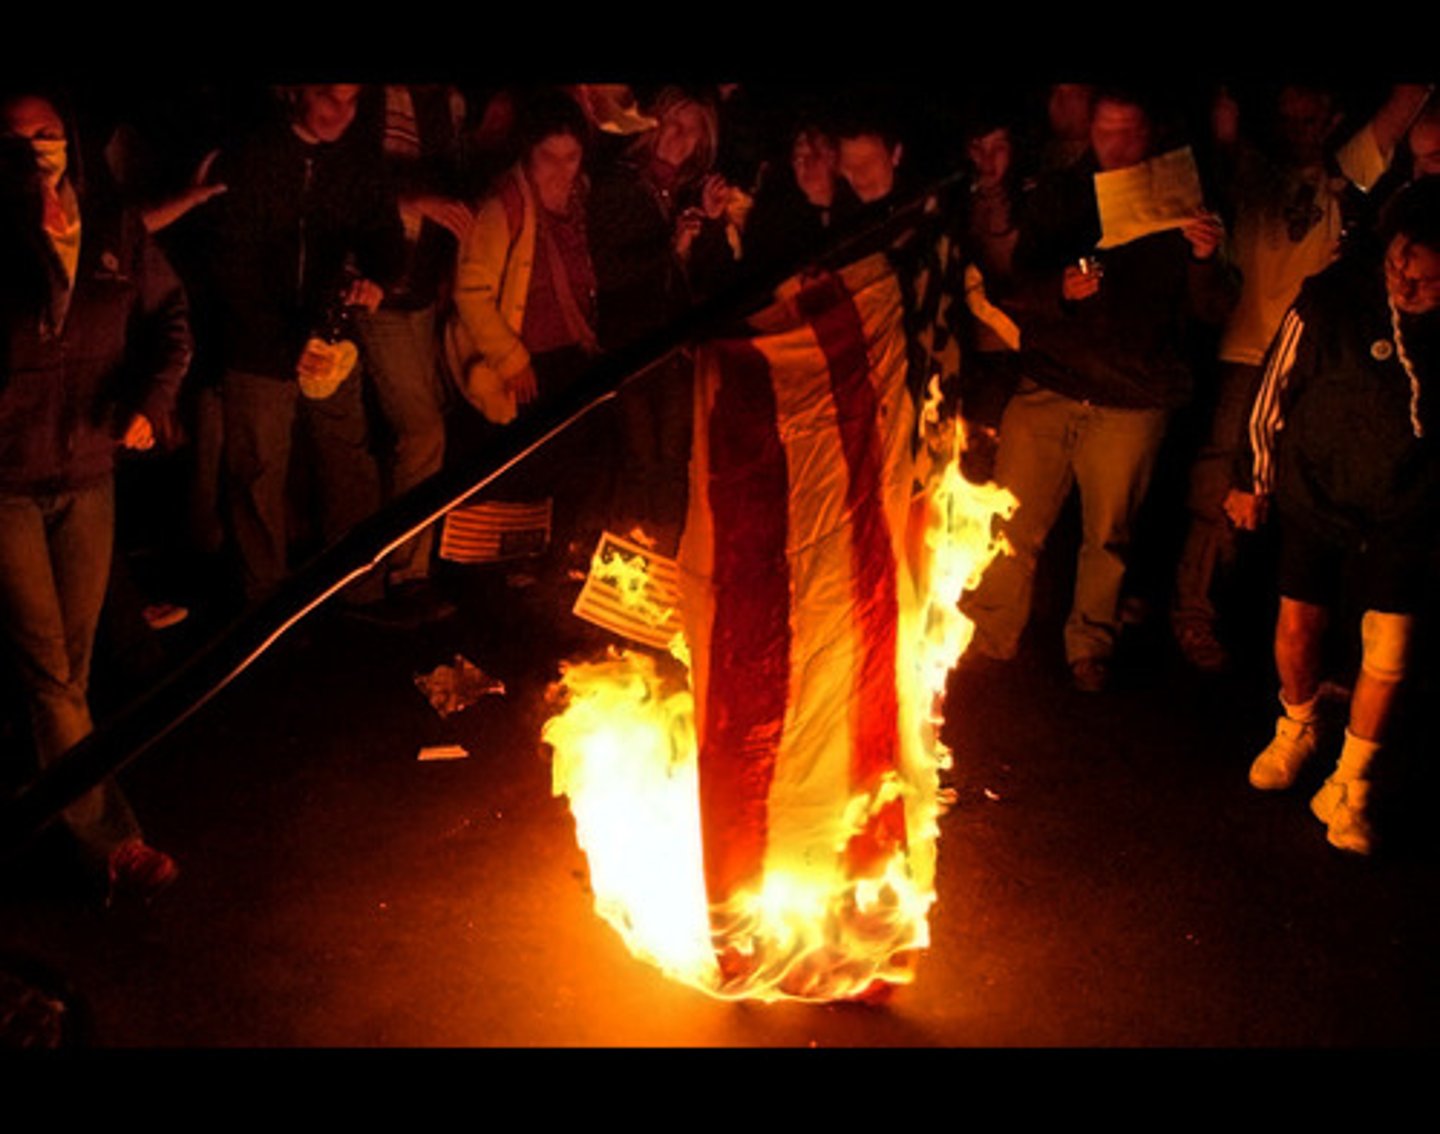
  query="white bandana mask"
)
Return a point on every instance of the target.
[{"x": 50, "y": 159}]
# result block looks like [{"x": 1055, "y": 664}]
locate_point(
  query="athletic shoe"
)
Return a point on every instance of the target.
[
  {"x": 1201, "y": 648},
  {"x": 139, "y": 871},
  {"x": 1294, "y": 743},
  {"x": 1341, "y": 806},
  {"x": 1090, "y": 675}
]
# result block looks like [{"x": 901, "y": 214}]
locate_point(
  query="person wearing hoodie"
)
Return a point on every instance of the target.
[{"x": 97, "y": 341}]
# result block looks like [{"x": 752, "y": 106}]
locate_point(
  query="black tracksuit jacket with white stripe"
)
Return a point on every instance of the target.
[{"x": 1331, "y": 433}]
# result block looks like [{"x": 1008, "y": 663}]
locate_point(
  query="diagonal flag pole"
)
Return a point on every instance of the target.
[{"x": 154, "y": 714}]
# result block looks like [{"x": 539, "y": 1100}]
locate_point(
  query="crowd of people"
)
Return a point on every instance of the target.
[{"x": 308, "y": 299}]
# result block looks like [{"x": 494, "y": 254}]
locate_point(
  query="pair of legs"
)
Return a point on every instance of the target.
[
  {"x": 1299, "y": 634},
  {"x": 260, "y": 419},
  {"x": 1209, "y": 539},
  {"x": 1049, "y": 443},
  {"x": 1386, "y": 575},
  {"x": 1342, "y": 803},
  {"x": 654, "y": 416},
  {"x": 54, "y": 564},
  {"x": 400, "y": 361}
]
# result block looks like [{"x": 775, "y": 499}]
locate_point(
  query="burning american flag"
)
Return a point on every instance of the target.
[{"x": 767, "y": 830}]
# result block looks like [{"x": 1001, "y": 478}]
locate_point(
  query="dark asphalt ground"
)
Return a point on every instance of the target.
[{"x": 1107, "y": 876}]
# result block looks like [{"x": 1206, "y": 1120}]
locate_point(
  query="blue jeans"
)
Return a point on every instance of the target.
[
  {"x": 1048, "y": 443},
  {"x": 401, "y": 363},
  {"x": 54, "y": 564},
  {"x": 260, "y": 418}
]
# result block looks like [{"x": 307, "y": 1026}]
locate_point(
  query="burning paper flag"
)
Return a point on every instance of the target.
[
  {"x": 632, "y": 591},
  {"x": 772, "y": 833}
]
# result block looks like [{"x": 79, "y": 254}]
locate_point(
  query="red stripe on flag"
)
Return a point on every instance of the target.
[
  {"x": 749, "y": 678},
  {"x": 833, "y": 316}
]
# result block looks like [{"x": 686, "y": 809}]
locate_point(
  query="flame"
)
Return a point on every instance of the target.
[
  {"x": 958, "y": 547},
  {"x": 625, "y": 755},
  {"x": 629, "y": 574}
]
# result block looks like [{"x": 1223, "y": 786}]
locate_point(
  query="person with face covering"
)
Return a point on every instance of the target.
[{"x": 97, "y": 340}]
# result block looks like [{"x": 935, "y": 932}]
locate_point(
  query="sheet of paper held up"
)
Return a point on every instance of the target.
[{"x": 1153, "y": 196}]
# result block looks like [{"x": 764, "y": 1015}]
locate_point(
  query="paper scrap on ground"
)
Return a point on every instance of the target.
[
  {"x": 442, "y": 752},
  {"x": 451, "y": 688},
  {"x": 1155, "y": 195},
  {"x": 631, "y": 591}
]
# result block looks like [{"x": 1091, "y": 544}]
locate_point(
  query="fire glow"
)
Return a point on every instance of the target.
[{"x": 625, "y": 756}]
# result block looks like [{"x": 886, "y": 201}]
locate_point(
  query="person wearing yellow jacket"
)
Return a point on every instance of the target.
[{"x": 522, "y": 328}]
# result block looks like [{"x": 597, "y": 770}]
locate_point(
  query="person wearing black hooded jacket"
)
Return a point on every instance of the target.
[
  {"x": 1342, "y": 439},
  {"x": 96, "y": 342},
  {"x": 305, "y": 210}
]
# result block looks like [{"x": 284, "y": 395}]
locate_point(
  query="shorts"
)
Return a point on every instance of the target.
[{"x": 1380, "y": 573}]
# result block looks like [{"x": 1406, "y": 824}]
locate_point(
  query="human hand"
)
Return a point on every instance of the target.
[
  {"x": 445, "y": 211},
  {"x": 139, "y": 434},
  {"x": 1076, "y": 285},
  {"x": 316, "y": 361},
  {"x": 200, "y": 190},
  {"x": 714, "y": 196},
  {"x": 364, "y": 293},
  {"x": 1204, "y": 233},
  {"x": 196, "y": 192},
  {"x": 524, "y": 386},
  {"x": 1247, "y": 510},
  {"x": 738, "y": 207},
  {"x": 687, "y": 228}
]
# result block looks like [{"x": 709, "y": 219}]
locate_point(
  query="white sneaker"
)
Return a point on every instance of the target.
[
  {"x": 1341, "y": 806},
  {"x": 1294, "y": 743},
  {"x": 1324, "y": 802}
]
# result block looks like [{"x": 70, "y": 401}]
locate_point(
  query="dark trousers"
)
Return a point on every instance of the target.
[
  {"x": 655, "y": 422},
  {"x": 261, "y": 414},
  {"x": 1209, "y": 539},
  {"x": 400, "y": 362}
]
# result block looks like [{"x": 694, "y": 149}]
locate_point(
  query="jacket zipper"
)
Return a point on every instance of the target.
[{"x": 300, "y": 266}]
